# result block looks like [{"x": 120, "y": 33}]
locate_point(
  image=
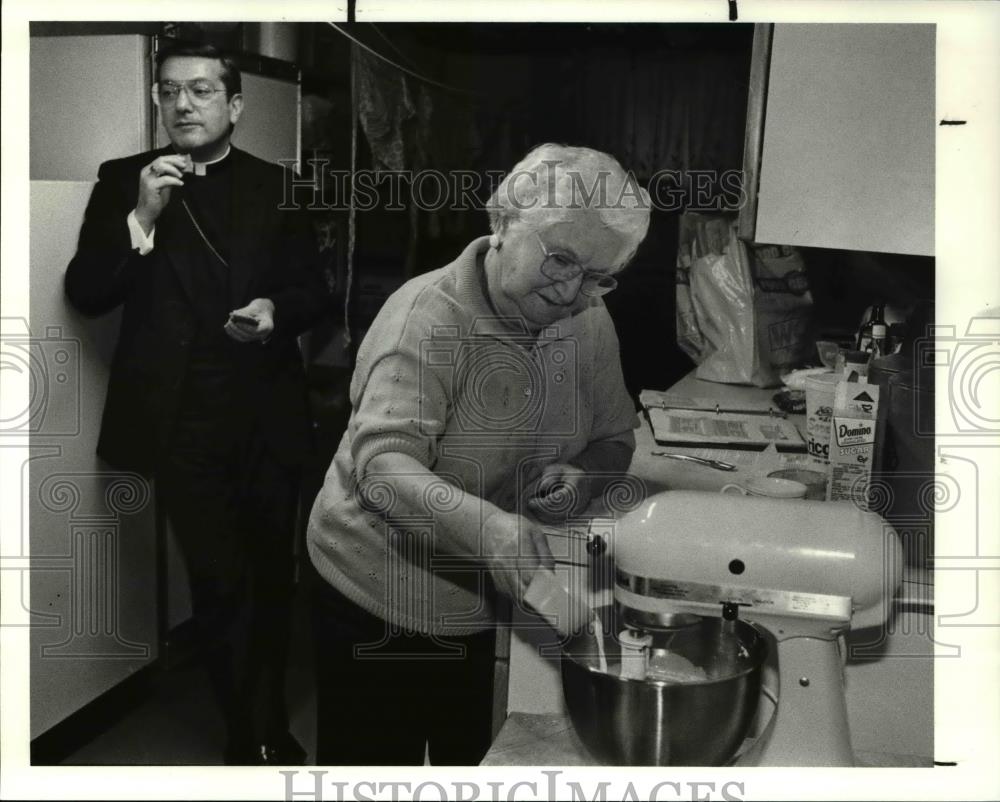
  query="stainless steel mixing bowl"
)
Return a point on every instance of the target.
[{"x": 633, "y": 722}]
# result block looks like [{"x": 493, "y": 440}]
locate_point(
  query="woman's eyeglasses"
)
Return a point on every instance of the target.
[
  {"x": 560, "y": 267},
  {"x": 200, "y": 93}
]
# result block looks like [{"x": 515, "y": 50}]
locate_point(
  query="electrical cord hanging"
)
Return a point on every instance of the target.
[
  {"x": 391, "y": 44},
  {"x": 351, "y": 209},
  {"x": 401, "y": 68},
  {"x": 201, "y": 233}
]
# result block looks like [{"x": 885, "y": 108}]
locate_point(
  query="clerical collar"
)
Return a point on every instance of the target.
[{"x": 201, "y": 168}]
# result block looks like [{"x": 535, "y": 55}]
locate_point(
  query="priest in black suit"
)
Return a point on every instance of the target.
[{"x": 207, "y": 389}]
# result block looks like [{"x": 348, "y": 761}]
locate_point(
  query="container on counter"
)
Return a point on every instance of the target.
[
  {"x": 815, "y": 481},
  {"x": 904, "y": 461},
  {"x": 820, "y": 389},
  {"x": 852, "y": 442}
]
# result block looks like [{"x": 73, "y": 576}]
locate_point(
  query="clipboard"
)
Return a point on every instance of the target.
[{"x": 703, "y": 422}]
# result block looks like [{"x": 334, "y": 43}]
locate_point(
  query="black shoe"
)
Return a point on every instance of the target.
[{"x": 283, "y": 750}]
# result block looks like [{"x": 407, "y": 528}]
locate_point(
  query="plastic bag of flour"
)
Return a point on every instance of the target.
[{"x": 742, "y": 313}]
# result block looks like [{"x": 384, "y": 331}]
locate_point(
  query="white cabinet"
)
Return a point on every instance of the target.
[{"x": 840, "y": 145}]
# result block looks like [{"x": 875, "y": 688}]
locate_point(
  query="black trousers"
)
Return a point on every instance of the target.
[
  {"x": 232, "y": 508},
  {"x": 382, "y": 698}
]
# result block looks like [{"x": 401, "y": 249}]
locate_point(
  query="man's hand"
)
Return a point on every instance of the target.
[
  {"x": 155, "y": 181},
  {"x": 561, "y": 491},
  {"x": 253, "y": 323},
  {"x": 514, "y": 548}
]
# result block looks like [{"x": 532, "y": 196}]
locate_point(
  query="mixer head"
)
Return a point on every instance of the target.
[{"x": 797, "y": 567}]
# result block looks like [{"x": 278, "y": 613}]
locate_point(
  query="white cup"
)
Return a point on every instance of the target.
[{"x": 769, "y": 487}]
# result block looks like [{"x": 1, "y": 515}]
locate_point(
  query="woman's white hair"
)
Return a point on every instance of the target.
[{"x": 553, "y": 183}]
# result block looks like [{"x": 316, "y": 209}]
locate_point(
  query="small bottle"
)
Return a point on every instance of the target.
[
  {"x": 878, "y": 345},
  {"x": 877, "y": 317},
  {"x": 875, "y": 332}
]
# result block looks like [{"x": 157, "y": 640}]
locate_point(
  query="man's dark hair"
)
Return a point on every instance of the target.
[{"x": 231, "y": 78}]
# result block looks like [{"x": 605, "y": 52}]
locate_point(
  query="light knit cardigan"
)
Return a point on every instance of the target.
[{"x": 440, "y": 378}]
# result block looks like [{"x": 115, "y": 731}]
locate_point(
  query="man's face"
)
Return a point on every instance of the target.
[{"x": 200, "y": 128}]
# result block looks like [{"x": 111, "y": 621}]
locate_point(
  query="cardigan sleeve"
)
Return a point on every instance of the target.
[
  {"x": 400, "y": 400},
  {"x": 401, "y": 409}
]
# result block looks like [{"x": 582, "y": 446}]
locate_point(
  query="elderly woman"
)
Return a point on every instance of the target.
[{"x": 488, "y": 395}]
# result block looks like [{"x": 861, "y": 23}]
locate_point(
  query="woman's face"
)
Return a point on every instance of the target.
[{"x": 517, "y": 285}]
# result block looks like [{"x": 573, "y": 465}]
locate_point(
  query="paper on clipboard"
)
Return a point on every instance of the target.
[
  {"x": 668, "y": 400},
  {"x": 723, "y": 429}
]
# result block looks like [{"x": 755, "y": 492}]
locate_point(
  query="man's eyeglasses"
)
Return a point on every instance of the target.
[
  {"x": 560, "y": 267},
  {"x": 200, "y": 93}
]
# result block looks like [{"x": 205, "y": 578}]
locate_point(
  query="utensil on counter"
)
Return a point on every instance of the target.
[
  {"x": 718, "y": 464},
  {"x": 769, "y": 487}
]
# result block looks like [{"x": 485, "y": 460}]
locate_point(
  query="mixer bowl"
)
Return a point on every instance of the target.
[{"x": 701, "y": 722}]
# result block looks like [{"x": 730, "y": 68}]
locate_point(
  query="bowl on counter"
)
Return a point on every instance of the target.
[{"x": 701, "y": 720}]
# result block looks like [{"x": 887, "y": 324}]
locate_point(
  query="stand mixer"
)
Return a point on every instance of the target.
[{"x": 805, "y": 571}]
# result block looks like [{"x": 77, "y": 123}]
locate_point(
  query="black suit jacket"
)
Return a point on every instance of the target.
[{"x": 273, "y": 255}]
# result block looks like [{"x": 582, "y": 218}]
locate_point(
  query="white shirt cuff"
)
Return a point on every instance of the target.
[{"x": 140, "y": 240}]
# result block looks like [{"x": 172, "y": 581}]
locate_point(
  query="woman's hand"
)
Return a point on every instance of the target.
[
  {"x": 514, "y": 548},
  {"x": 561, "y": 491}
]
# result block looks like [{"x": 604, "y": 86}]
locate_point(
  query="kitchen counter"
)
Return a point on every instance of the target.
[
  {"x": 537, "y": 739},
  {"x": 660, "y": 473}
]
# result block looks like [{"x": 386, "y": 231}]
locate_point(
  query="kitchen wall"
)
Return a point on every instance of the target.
[{"x": 92, "y": 529}]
